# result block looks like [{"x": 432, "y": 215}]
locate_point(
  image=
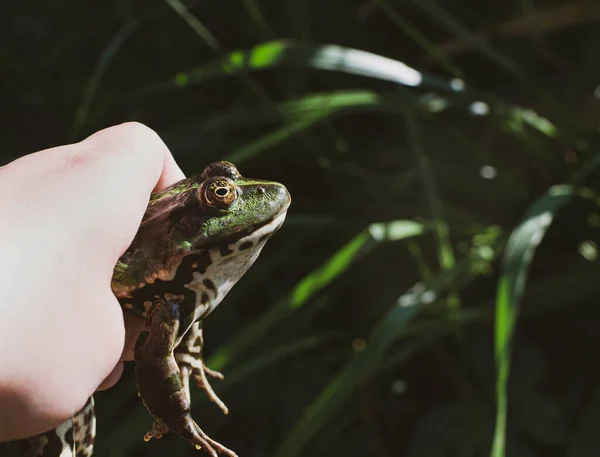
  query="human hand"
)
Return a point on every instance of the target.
[{"x": 67, "y": 214}]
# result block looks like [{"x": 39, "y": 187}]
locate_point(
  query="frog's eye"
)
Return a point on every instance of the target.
[{"x": 218, "y": 193}]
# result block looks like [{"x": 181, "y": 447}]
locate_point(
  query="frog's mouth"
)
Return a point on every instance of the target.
[
  {"x": 266, "y": 229},
  {"x": 258, "y": 233}
]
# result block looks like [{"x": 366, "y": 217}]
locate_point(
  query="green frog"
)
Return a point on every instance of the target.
[{"x": 196, "y": 240}]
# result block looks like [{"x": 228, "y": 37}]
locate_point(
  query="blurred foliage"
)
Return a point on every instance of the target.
[{"x": 433, "y": 292}]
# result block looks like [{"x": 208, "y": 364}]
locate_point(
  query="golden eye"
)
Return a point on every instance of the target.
[{"x": 219, "y": 193}]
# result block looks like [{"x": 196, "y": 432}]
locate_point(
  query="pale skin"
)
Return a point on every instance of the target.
[{"x": 66, "y": 216}]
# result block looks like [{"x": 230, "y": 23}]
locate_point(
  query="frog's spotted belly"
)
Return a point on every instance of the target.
[{"x": 204, "y": 278}]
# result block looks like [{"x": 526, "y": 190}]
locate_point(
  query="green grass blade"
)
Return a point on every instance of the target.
[
  {"x": 253, "y": 9},
  {"x": 445, "y": 253},
  {"x": 395, "y": 230},
  {"x": 518, "y": 255},
  {"x": 321, "y": 57},
  {"x": 198, "y": 27}
]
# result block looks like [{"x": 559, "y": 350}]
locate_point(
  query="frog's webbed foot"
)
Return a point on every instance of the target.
[
  {"x": 191, "y": 364},
  {"x": 160, "y": 383},
  {"x": 195, "y": 435}
]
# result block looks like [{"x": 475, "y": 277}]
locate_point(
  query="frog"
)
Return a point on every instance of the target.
[{"x": 197, "y": 238}]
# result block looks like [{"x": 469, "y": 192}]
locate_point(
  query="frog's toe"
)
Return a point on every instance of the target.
[
  {"x": 213, "y": 373},
  {"x": 158, "y": 430},
  {"x": 186, "y": 428},
  {"x": 188, "y": 356},
  {"x": 202, "y": 382},
  {"x": 196, "y": 369},
  {"x": 193, "y": 433}
]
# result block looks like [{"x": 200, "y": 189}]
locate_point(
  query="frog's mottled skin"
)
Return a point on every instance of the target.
[{"x": 197, "y": 238}]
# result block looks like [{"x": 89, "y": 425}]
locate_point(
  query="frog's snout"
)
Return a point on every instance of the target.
[{"x": 281, "y": 197}]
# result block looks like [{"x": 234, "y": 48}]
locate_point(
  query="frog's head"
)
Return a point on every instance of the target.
[
  {"x": 221, "y": 207},
  {"x": 236, "y": 207},
  {"x": 219, "y": 211}
]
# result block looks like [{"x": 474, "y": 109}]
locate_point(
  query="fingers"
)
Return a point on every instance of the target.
[{"x": 137, "y": 151}]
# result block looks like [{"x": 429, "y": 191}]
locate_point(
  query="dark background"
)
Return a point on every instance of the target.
[{"x": 349, "y": 338}]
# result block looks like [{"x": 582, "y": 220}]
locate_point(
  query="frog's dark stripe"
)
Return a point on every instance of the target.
[
  {"x": 43, "y": 445},
  {"x": 246, "y": 245},
  {"x": 176, "y": 286},
  {"x": 204, "y": 261},
  {"x": 69, "y": 437},
  {"x": 225, "y": 250},
  {"x": 55, "y": 445},
  {"x": 210, "y": 285},
  {"x": 183, "y": 364}
]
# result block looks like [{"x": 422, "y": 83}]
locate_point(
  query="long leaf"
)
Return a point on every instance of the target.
[
  {"x": 519, "y": 252},
  {"x": 328, "y": 57}
]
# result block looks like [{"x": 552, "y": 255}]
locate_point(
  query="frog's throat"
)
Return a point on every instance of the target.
[
  {"x": 226, "y": 268},
  {"x": 207, "y": 276}
]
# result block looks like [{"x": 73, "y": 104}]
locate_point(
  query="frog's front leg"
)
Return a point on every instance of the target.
[
  {"x": 159, "y": 380},
  {"x": 188, "y": 355}
]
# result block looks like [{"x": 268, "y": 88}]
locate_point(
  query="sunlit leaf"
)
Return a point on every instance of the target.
[
  {"x": 518, "y": 255},
  {"x": 322, "y": 57}
]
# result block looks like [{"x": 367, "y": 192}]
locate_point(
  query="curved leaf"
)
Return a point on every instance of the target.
[
  {"x": 328, "y": 57},
  {"x": 518, "y": 255}
]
